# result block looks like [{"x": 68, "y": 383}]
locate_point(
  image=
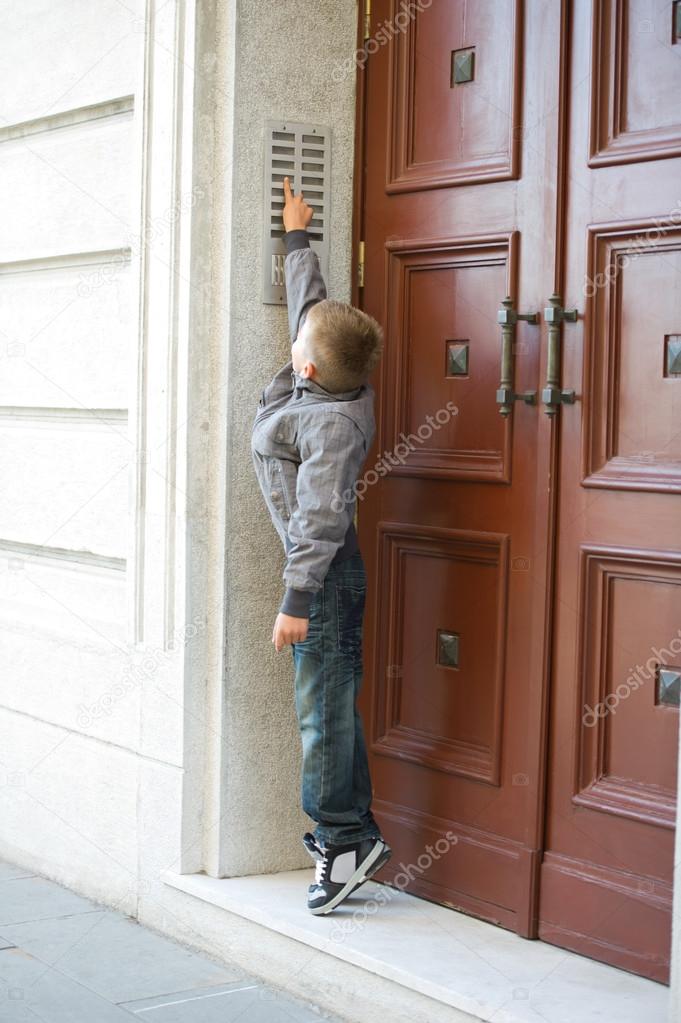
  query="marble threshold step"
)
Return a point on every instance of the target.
[{"x": 473, "y": 966}]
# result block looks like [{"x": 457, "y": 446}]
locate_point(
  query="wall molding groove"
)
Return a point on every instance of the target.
[
  {"x": 83, "y": 559},
  {"x": 65, "y": 261},
  {"x": 67, "y": 118},
  {"x": 54, "y": 415}
]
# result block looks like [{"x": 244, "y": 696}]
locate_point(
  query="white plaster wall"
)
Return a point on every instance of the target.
[
  {"x": 68, "y": 334},
  {"x": 95, "y": 288},
  {"x": 131, "y": 374}
]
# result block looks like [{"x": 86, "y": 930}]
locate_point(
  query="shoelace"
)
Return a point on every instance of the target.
[{"x": 321, "y": 869}]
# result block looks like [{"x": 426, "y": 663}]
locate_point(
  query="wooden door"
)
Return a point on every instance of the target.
[
  {"x": 467, "y": 517},
  {"x": 453, "y": 521},
  {"x": 606, "y": 875}
]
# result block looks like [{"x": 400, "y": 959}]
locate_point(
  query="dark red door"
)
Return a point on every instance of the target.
[
  {"x": 454, "y": 536},
  {"x": 472, "y": 496},
  {"x": 606, "y": 875}
]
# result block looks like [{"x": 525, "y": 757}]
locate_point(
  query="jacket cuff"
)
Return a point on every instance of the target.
[
  {"x": 296, "y": 602},
  {"x": 298, "y": 239}
]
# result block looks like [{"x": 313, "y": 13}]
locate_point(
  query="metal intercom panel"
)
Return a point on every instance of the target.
[{"x": 301, "y": 152}]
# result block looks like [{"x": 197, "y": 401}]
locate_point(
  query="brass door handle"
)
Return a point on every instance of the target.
[
  {"x": 552, "y": 395},
  {"x": 508, "y": 317}
]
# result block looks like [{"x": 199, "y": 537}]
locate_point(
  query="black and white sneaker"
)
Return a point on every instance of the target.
[{"x": 340, "y": 869}]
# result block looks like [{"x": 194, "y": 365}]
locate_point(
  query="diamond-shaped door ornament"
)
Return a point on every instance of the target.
[
  {"x": 673, "y": 360},
  {"x": 668, "y": 687},
  {"x": 463, "y": 66},
  {"x": 448, "y": 649},
  {"x": 457, "y": 358}
]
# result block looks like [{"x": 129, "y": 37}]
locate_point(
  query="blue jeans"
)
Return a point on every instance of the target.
[{"x": 336, "y": 785}]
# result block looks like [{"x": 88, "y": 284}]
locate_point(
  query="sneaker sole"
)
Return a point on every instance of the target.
[{"x": 359, "y": 876}]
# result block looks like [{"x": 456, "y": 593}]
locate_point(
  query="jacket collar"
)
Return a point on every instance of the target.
[{"x": 306, "y": 384}]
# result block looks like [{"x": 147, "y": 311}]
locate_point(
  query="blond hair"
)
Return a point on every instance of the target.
[{"x": 345, "y": 344}]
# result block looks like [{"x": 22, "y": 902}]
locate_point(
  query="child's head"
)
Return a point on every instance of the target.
[{"x": 337, "y": 345}]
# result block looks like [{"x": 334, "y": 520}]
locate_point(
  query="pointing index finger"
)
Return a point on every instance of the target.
[{"x": 287, "y": 189}]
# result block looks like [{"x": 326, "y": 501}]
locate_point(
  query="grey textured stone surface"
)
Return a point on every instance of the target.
[
  {"x": 261, "y": 766},
  {"x": 74, "y": 964},
  {"x": 34, "y": 898}
]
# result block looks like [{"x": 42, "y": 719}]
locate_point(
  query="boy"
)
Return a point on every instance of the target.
[{"x": 311, "y": 434}]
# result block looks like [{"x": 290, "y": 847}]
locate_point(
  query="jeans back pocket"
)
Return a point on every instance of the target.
[{"x": 350, "y": 600}]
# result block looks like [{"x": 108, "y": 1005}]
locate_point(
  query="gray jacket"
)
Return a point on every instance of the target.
[{"x": 308, "y": 448}]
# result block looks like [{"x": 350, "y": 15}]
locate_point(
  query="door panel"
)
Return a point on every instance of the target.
[
  {"x": 635, "y": 62},
  {"x": 455, "y": 543},
  {"x": 630, "y": 446},
  {"x": 428, "y": 363},
  {"x": 440, "y": 135},
  {"x": 423, "y": 715}
]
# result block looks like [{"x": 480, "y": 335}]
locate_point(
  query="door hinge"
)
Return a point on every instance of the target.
[
  {"x": 367, "y": 20},
  {"x": 360, "y": 265}
]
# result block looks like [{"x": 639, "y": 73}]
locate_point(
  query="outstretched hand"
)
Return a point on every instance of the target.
[{"x": 297, "y": 214}]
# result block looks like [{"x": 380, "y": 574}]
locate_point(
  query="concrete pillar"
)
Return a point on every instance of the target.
[{"x": 255, "y": 61}]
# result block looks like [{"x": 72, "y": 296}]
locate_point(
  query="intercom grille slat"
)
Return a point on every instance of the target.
[{"x": 302, "y": 153}]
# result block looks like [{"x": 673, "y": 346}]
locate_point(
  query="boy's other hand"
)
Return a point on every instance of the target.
[
  {"x": 297, "y": 214},
  {"x": 288, "y": 629}
]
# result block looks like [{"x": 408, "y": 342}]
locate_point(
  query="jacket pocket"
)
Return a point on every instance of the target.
[
  {"x": 283, "y": 481},
  {"x": 288, "y": 479},
  {"x": 284, "y": 434},
  {"x": 276, "y": 437}
]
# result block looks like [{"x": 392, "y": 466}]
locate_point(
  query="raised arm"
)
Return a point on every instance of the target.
[{"x": 304, "y": 282}]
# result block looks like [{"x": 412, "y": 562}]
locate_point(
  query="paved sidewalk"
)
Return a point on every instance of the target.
[{"x": 64, "y": 959}]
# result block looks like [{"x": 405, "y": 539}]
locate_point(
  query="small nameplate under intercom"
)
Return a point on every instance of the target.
[{"x": 301, "y": 152}]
